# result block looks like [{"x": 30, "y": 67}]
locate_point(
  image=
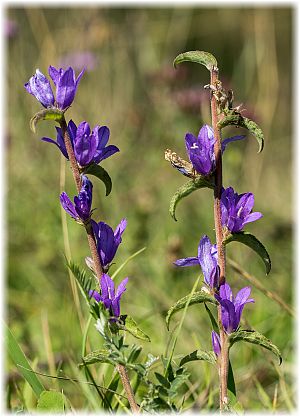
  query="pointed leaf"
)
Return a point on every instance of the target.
[
  {"x": 199, "y": 355},
  {"x": 51, "y": 402},
  {"x": 238, "y": 120},
  {"x": 100, "y": 355},
  {"x": 47, "y": 114},
  {"x": 186, "y": 189},
  {"x": 199, "y": 57},
  {"x": 19, "y": 359},
  {"x": 196, "y": 298},
  {"x": 212, "y": 319},
  {"x": 253, "y": 243},
  {"x": 230, "y": 380},
  {"x": 132, "y": 328},
  {"x": 99, "y": 172},
  {"x": 256, "y": 338}
]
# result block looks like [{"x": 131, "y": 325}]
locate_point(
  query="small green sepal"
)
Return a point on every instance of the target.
[{"x": 47, "y": 114}]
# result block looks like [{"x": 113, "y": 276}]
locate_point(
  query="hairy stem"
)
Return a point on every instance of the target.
[
  {"x": 224, "y": 355},
  {"x": 127, "y": 387},
  {"x": 95, "y": 256}
]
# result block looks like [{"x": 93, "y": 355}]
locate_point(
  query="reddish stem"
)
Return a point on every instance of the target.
[{"x": 223, "y": 360}]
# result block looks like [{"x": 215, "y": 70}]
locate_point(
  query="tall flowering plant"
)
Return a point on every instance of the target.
[
  {"x": 232, "y": 213},
  {"x": 85, "y": 149}
]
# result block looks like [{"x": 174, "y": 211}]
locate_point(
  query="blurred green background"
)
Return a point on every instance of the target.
[{"x": 131, "y": 86}]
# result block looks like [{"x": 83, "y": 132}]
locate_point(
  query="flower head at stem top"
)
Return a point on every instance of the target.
[
  {"x": 236, "y": 210},
  {"x": 232, "y": 307},
  {"x": 201, "y": 149},
  {"x": 80, "y": 210},
  {"x": 208, "y": 260},
  {"x": 89, "y": 146},
  {"x": 109, "y": 297},
  {"x": 65, "y": 82},
  {"x": 108, "y": 241}
]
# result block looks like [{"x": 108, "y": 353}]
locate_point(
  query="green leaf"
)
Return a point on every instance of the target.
[
  {"x": 162, "y": 380},
  {"x": 230, "y": 380},
  {"x": 51, "y": 401},
  {"x": 251, "y": 336},
  {"x": 238, "y": 120},
  {"x": 199, "y": 355},
  {"x": 186, "y": 189},
  {"x": 132, "y": 328},
  {"x": 99, "y": 172},
  {"x": 253, "y": 243},
  {"x": 196, "y": 298},
  {"x": 212, "y": 319},
  {"x": 100, "y": 355},
  {"x": 19, "y": 359},
  {"x": 199, "y": 57},
  {"x": 47, "y": 114}
]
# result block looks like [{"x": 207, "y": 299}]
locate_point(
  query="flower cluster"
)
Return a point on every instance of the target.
[
  {"x": 236, "y": 210},
  {"x": 201, "y": 149},
  {"x": 81, "y": 209},
  {"x": 232, "y": 307},
  {"x": 208, "y": 261},
  {"x": 89, "y": 147},
  {"x": 109, "y": 297},
  {"x": 108, "y": 241},
  {"x": 65, "y": 82}
]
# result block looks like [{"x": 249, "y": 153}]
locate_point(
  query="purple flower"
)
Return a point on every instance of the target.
[
  {"x": 60, "y": 143},
  {"x": 236, "y": 209},
  {"x": 109, "y": 297},
  {"x": 207, "y": 259},
  {"x": 81, "y": 209},
  {"x": 108, "y": 241},
  {"x": 201, "y": 149},
  {"x": 232, "y": 307},
  {"x": 89, "y": 147},
  {"x": 216, "y": 343},
  {"x": 65, "y": 82}
]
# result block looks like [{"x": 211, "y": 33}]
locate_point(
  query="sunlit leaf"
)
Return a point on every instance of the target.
[
  {"x": 99, "y": 172},
  {"x": 199, "y": 355},
  {"x": 255, "y": 338},
  {"x": 238, "y": 120},
  {"x": 196, "y": 298},
  {"x": 47, "y": 114},
  {"x": 199, "y": 57},
  {"x": 186, "y": 189},
  {"x": 132, "y": 328},
  {"x": 253, "y": 243}
]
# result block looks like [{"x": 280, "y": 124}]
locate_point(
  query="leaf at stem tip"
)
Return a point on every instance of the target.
[
  {"x": 100, "y": 173},
  {"x": 251, "y": 336},
  {"x": 199, "y": 355},
  {"x": 252, "y": 242},
  {"x": 199, "y": 57},
  {"x": 196, "y": 298},
  {"x": 47, "y": 114},
  {"x": 185, "y": 190},
  {"x": 235, "y": 119}
]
